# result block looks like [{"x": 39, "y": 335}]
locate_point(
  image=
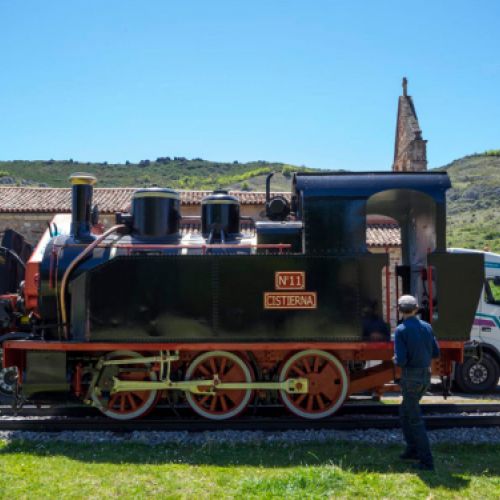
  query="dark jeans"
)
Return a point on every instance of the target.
[{"x": 414, "y": 384}]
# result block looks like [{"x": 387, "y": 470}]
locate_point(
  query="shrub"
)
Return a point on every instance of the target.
[
  {"x": 492, "y": 235},
  {"x": 163, "y": 159},
  {"x": 287, "y": 171}
]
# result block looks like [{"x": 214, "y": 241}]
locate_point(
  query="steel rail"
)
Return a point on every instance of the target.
[
  {"x": 165, "y": 411},
  {"x": 240, "y": 424}
]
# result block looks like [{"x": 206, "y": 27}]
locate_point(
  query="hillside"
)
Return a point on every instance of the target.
[
  {"x": 179, "y": 173},
  {"x": 474, "y": 202}
]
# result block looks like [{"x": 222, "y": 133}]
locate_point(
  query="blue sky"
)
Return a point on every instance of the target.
[{"x": 304, "y": 82}]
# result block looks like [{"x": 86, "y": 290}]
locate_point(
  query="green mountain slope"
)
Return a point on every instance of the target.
[
  {"x": 177, "y": 173},
  {"x": 474, "y": 202}
]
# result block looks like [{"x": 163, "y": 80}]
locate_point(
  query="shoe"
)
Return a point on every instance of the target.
[
  {"x": 423, "y": 466},
  {"x": 409, "y": 455}
]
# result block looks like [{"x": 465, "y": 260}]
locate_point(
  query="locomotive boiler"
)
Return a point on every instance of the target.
[{"x": 222, "y": 319}]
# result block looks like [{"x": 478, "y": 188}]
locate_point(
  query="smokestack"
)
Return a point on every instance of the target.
[{"x": 81, "y": 205}]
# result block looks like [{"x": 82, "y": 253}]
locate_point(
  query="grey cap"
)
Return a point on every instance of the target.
[{"x": 407, "y": 303}]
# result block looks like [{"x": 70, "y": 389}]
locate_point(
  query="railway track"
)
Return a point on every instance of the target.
[
  {"x": 352, "y": 417},
  {"x": 165, "y": 411},
  {"x": 58, "y": 424}
]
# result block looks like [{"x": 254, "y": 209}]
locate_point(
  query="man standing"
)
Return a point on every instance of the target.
[{"x": 414, "y": 348}]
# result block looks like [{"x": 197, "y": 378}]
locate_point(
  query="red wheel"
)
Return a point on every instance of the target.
[
  {"x": 224, "y": 403},
  {"x": 134, "y": 404},
  {"x": 328, "y": 383}
]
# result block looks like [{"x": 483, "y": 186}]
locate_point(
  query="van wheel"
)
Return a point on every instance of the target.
[{"x": 477, "y": 376}]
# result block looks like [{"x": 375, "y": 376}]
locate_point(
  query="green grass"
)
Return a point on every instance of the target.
[{"x": 334, "y": 469}]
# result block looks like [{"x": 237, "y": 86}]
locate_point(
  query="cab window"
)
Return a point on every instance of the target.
[{"x": 492, "y": 290}]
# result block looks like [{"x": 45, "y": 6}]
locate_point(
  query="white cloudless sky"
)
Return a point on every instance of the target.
[{"x": 309, "y": 83}]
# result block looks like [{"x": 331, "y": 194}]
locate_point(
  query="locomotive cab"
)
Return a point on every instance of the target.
[{"x": 335, "y": 209}]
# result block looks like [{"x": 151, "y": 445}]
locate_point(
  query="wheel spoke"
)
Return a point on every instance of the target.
[
  {"x": 142, "y": 396},
  {"x": 130, "y": 398},
  {"x": 204, "y": 370},
  {"x": 298, "y": 371},
  {"x": 222, "y": 366},
  {"x": 299, "y": 400},
  {"x": 213, "y": 403},
  {"x": 319, "y": 400},
  {"x": 223, "y": 402},
  {"x": 316, "y": 364},
  {"x": 306, "y": 364},
  {"x": 309, "y": 402},
  {"x": 203, "y": 400},
  {"x": 212, "y": 366}
]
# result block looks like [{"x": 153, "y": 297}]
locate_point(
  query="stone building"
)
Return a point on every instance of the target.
[{"x": 410, "y": 150}]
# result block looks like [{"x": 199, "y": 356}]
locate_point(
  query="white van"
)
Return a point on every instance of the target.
[{"x": 482, "y": 375}]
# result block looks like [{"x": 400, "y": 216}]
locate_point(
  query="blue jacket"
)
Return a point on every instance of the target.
[{"x": 414, "y": 344}]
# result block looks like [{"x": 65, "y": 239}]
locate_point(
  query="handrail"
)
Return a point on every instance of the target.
[
  {"x": 430, "y": 286},
  {"x": 71, "y": 267},
  {"x": 388, "y": 288},
  {"x": 157, "y": 246}
]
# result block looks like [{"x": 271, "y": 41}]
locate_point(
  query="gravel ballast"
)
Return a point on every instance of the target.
[{"x": 472, "y": 435}]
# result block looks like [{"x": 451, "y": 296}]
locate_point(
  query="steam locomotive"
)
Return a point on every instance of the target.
[{"x": 221, "y": 319}]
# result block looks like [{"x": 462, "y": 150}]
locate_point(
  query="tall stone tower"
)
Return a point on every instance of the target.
[{"x": 410, "y": 150}]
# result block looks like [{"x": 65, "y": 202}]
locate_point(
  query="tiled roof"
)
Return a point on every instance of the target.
[
  {"x": 193, "y": 228},
  {"x": 109, "y": 200},
  {"x": 383, "y": 235},
  {"x": 377, "y": 235}
]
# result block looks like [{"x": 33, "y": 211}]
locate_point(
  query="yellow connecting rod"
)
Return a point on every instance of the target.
[{"x": 210, "y": 387}]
